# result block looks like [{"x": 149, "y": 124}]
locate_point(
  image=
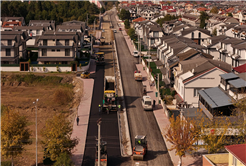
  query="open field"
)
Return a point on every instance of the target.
[{"x": 21, "y": 98}]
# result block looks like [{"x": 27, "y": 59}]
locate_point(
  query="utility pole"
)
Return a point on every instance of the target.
[
  {"x": 99, "y": 142},
  {"x": 158, "y": 87},
  {"x": 36, "y": 132},
  {"x": 94, "y": 25},
  {"x": 87, "y": 19},
  {"x": 140, "y": 50},
  {"x": 91, "y": 44}
]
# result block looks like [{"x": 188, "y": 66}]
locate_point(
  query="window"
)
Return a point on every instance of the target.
[
  {"x": 152, "y": 41},
  {"x": 37, "y": 32},
  {"x": 66, "y": 42},
  {"x": 199, "y": 34},
  {"x": 196, "y": 91},
  {"x": 44, "y": 52},
  {"x": 9, "y": 42},
  {"x": 54, "y": 39},
  {"x": 58, "y": 40},
  {"x": 53, "y": 50},
  {"x": 239, "y": 52},
  {"x": 7, "y": 52},
  {"x": 234, "y": 161},
  {"x": 156, "y": 34},
  {"x": 58, "y": 50},
  {"x": 67, "y": 52},
  {"x": 45, "y": 42},
  {"x": 192, "y": 35}
]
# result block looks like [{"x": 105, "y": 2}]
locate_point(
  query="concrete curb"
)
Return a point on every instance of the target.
[{"x": 129, "y": 152}]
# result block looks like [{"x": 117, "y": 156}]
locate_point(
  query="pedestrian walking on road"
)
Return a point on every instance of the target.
[{"x": 77, "y": 120}]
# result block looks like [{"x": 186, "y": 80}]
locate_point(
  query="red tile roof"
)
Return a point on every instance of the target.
[
  {"x": 166, "y": 7},
  {"x": 202, "y": 9},
  {"x": 239, "y": 151},
  {"x": 7, "y": 24},
  {"x": 240, "y": 69},
  {"x": 139, "y": 19}
]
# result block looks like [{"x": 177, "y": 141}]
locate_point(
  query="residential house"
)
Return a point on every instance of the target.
[
  {"x": 151, "y": 35},
  {"x": 7, "y": 23},
  {"x": 196, "y": 74},
  {"x": 240, "y": 69},
  {"x": 237, "y": 154},
  {"x": 188, "y": 6},
  {"x": 196, "y": 34},
  {"x": 242, "y": 16},
  {"x": 178, "y": 28},
  {"x": 239, "y": 32},
  {"x": 13, "y": 46},
  {"x": 228, "y": 54},
  {"x": 147, "y": 13},
  {"x": 191, "y": 19},
  {"x": 49, "y": 24},
  {"x": 219, "y": 18},
  {"x": 212, "y": 43},
  {"x": 226, "y": 30},
  {"x": 57, "y": 47}
]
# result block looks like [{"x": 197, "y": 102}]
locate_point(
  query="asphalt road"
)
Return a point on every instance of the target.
[
  {"x": 109, "y": 127},
  {"x": 140, "y": 122}
]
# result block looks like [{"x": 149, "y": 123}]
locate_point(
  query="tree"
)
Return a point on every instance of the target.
[
  {"x": 203, "y": 16},
  {"x": 131, "y": 33},
  {"x": 124, "y": 14},
  {"x": 214, "y": 10},
  {"x": 214, "y": 32},
  {"x": 63, "y": 160},
  {"x": 57, "y": 137},
  {"x": 127, "y": 24},
  {"x": 14, "y": 134},
  {"x": 181, "y": 135},
  {"x": 230, "y": 15}
]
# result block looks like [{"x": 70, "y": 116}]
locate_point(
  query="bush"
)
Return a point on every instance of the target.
[
  {"x": 63, "y": 96},
  {"x": 152, "y": 65},
  {"x": 64, "y": 160},
  {"x": 6, "y": 163}
]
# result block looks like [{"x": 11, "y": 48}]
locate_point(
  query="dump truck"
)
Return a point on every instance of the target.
[
  {"x": 103, "y": 154},
  {"x": 109, "y": 100},
  {"x": 140, "y": 148},
  {"x": 138, "y": 75},
  {"x": 100, "y": 58}
]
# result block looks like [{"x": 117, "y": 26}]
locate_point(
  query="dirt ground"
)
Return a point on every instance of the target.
[{"x": 21, "y": 98}]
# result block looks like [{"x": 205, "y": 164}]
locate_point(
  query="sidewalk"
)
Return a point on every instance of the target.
[
  {"x": 163, "y": 122},
  {"x": 80, "y": 131}
]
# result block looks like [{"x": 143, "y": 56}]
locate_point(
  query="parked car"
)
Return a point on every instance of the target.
[
  {"x": 147, "y": 103},
  {"x": 85, "y": 74},
  {"x": 135, "y": 53},
  {"x": 103, "y": 30},
  {"x": 115, "y": 31},
  {"x": 119, "y": 29}
]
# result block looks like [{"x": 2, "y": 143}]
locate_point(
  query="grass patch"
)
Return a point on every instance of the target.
[
  {"x": 63, "y": 96},
  {"x": 32, "y": 79}
]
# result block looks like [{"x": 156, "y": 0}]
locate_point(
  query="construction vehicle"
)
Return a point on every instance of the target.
[
  {"x": 138, "y": 75},
  {"x": 140, "y": 148},
  {"x": 85, "y": 74},
  {"x": 100, "y": 58},
  {"x": 109, "y": 100},
  {"x": 103, "y": 156}
]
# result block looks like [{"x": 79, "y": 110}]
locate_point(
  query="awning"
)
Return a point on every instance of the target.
[
  {"x": 55, "y": 59},
  {"x": 11, "y": 59}
]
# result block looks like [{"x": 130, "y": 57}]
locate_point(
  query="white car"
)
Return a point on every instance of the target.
[
  {"x": 103, "y": 30},
  {"x": 115, "y": 31},
  {"x": 135, "y": 53},
  {"x": 147, "y": 103}
]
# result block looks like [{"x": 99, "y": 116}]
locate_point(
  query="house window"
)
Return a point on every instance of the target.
[
  {"x": 7, "y": 52},
  {"x": 199, "y": 34},
  {"x": 37, "y": 32},
  {"x": 152, "y": 41},
  {"x": 58, "y": 50},
  {"x": 66, "y": 42},
  {"x": 234, "y": 161},
  {"x": 156, "y": 34},
  {"x": 9, "y": 42},
  {"x": 58, "y": 40},
  {"x": 53, "y": 50},
  {"x": 224, "y": 46},
  {"x": 45, "y": 42},
  {"x": 192, "y": 35},
  {"x": 44, "y": 52},
  {"x": 67, "y": 52},
  {"x": 239, "y": 52},
  {"x": 196, "y": 91}
]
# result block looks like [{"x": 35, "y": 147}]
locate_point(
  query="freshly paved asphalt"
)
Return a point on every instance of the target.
[{"x": 140, "y": 122}]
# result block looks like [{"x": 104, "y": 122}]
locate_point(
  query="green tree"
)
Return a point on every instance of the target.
[
  {"x": 214, "y": 33},
  {"x": 181, "y": 135},
  {"x": 214, "y": 10},
  {"x": 203, "y": 17},
  {"x": 230, "y": 15},
  {"x": 57, "y": 137},
  {"x": 63, "y": 160},
  {"x": 124, "y": 14},
  {"x": 14, "y": 134},
  {"x": 131, "y": 33},
  {"x": 127, "y": 24}
]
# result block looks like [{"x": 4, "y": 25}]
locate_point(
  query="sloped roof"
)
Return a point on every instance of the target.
[
  {"x": 139, "y": 19},
  {"x": 189, "y": 30},
  {"x": 239, "y": 151},
  {"x": 240, "y": 69}
]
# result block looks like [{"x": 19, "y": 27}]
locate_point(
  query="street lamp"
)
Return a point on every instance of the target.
[{"x": 36, "y": 132}]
